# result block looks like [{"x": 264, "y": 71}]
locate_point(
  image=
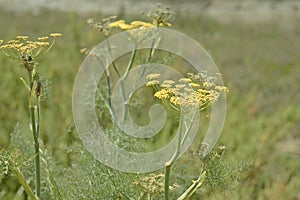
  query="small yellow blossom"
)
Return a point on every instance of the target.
[
  {"x": 185, "y": 80},
  {"x": 1, "y": 41},
  {"x": 55, "y": 35},
  {"x": 162, "y": 94},
  {"x": 164, "y": 85},
  {"x": 125, "y": 26},
  {"x": 165, "y": 24},
  {"x": 180, "y": 85},
  {"x": 120, "y": 24},
  {"x": 194, "y": 85},
  {"x": 116, "y": 24},
  {"x": 152, "y": 83},
  {"x": 188, "y": 89},
  {"x": 153, "y": 76},
  {"x": 203, "y": 91},
  {"x": 169, "y": 82},
  {"x": 22, "y": 37},
  {"x": 136, "y": 24},
  {"x": 43, "y": 38},
  {"x": 13, "y": 41},
  {"x": 174, "y": 100},
  {"x": 209, "y": 84},
  {"x": 222, "y": 88},
  {"x": 42, "y": 44}
]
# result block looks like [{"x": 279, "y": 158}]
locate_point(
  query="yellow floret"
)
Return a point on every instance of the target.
[
  {"x": 55, "y": 35},
  {"x": 153, "y": 76},
  {"x": 116, "y": 24},
  {"x": 43, "y": 38},
  {"x": 152, "y": 83},
  {"x": 22, "y": 37}
]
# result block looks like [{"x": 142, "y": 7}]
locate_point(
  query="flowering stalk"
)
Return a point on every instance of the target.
[
  {"x": 26, "y": 52},
  {"x": 197, "y": 90},
  {"x": 192, "y": 189},
  {"x": 35, "y": 131},
  {"x": 23, "y": 182}
]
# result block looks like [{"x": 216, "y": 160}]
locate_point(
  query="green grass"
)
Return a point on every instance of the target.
[{"x": 260, "y": 65}]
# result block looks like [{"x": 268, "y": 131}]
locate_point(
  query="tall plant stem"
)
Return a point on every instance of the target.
[
  {"x": 169, "y": 164},
  {"x": 35, "y": 138},
  {"x": 129, "y": 66},
  {"x": 27, "y": 188},
  {"x": 151, "y": 50},
  {"x": 167, "y": 180},
  {"x": 110, "y": 54}
]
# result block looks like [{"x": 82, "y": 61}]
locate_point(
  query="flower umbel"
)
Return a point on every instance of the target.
[
  {"x": 25, "y": 51},
  {"x": 198, "y": 89}
]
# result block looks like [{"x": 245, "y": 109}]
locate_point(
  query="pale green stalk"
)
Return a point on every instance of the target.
[
  {"x": 171, "y": 162},
  {"x": 129, "y": 66},
  {"x": 192, "y": 189},
  {"x": 27, "y": 188},
  {"x": 35, "y": 137}
]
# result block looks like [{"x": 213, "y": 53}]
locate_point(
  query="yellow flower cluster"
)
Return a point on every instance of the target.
[
  {"x": 135, "y": 24},
  {"x": 23, "y": 46},
  {"x": 194, "y": 90},
  {"x": 25, "y": 51},
  {"x": 55, "y": 35}
]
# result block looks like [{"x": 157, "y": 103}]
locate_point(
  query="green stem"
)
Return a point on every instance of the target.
[
  {"x": 38, "y": 117},
  {"x": 107, "y": 75},
  {"x": 172, "y": 160},
  {"x": 151, "y": 50},
  {"x": 192, "y": 189},
  {"x": 37, "y": 155},
  {"x": 108, "y": 89},
  {"x": 129, "y": 66},
  {"x": 167, "y": 180},
  {"x": 27, "y": 188},
  {"x": 35, "y": 138},
  {"x": 110, "y": 54},
  {"x": 168, "y": 172}
]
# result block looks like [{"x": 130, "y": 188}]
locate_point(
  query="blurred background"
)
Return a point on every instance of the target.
[{"x": 255, "y": 44}]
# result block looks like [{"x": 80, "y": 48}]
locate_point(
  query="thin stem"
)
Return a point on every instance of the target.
[
  {"x": 38, "y": 117},
  {"x": 53, "y": 185},
  {"x": 107, "y": 75},
  {"x": 37, "y": 155},
  {"x": 192, "y": 189},
  {"x": 35, "y": 138},
  {"x": 167, "y": 180},
  {"x": 151, "y": 50},
  {"x": 149, "y": 57},
  {"x": 27, "y": 188},
  {"x": 171, "y": 162},
  {"x": 129, "y": 66},
  {"x": 108, "y": 88},
  {"x": 110, "y": 54}
]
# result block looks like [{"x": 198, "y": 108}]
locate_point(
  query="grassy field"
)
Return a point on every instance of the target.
[{"x": 260, "y": 65}]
